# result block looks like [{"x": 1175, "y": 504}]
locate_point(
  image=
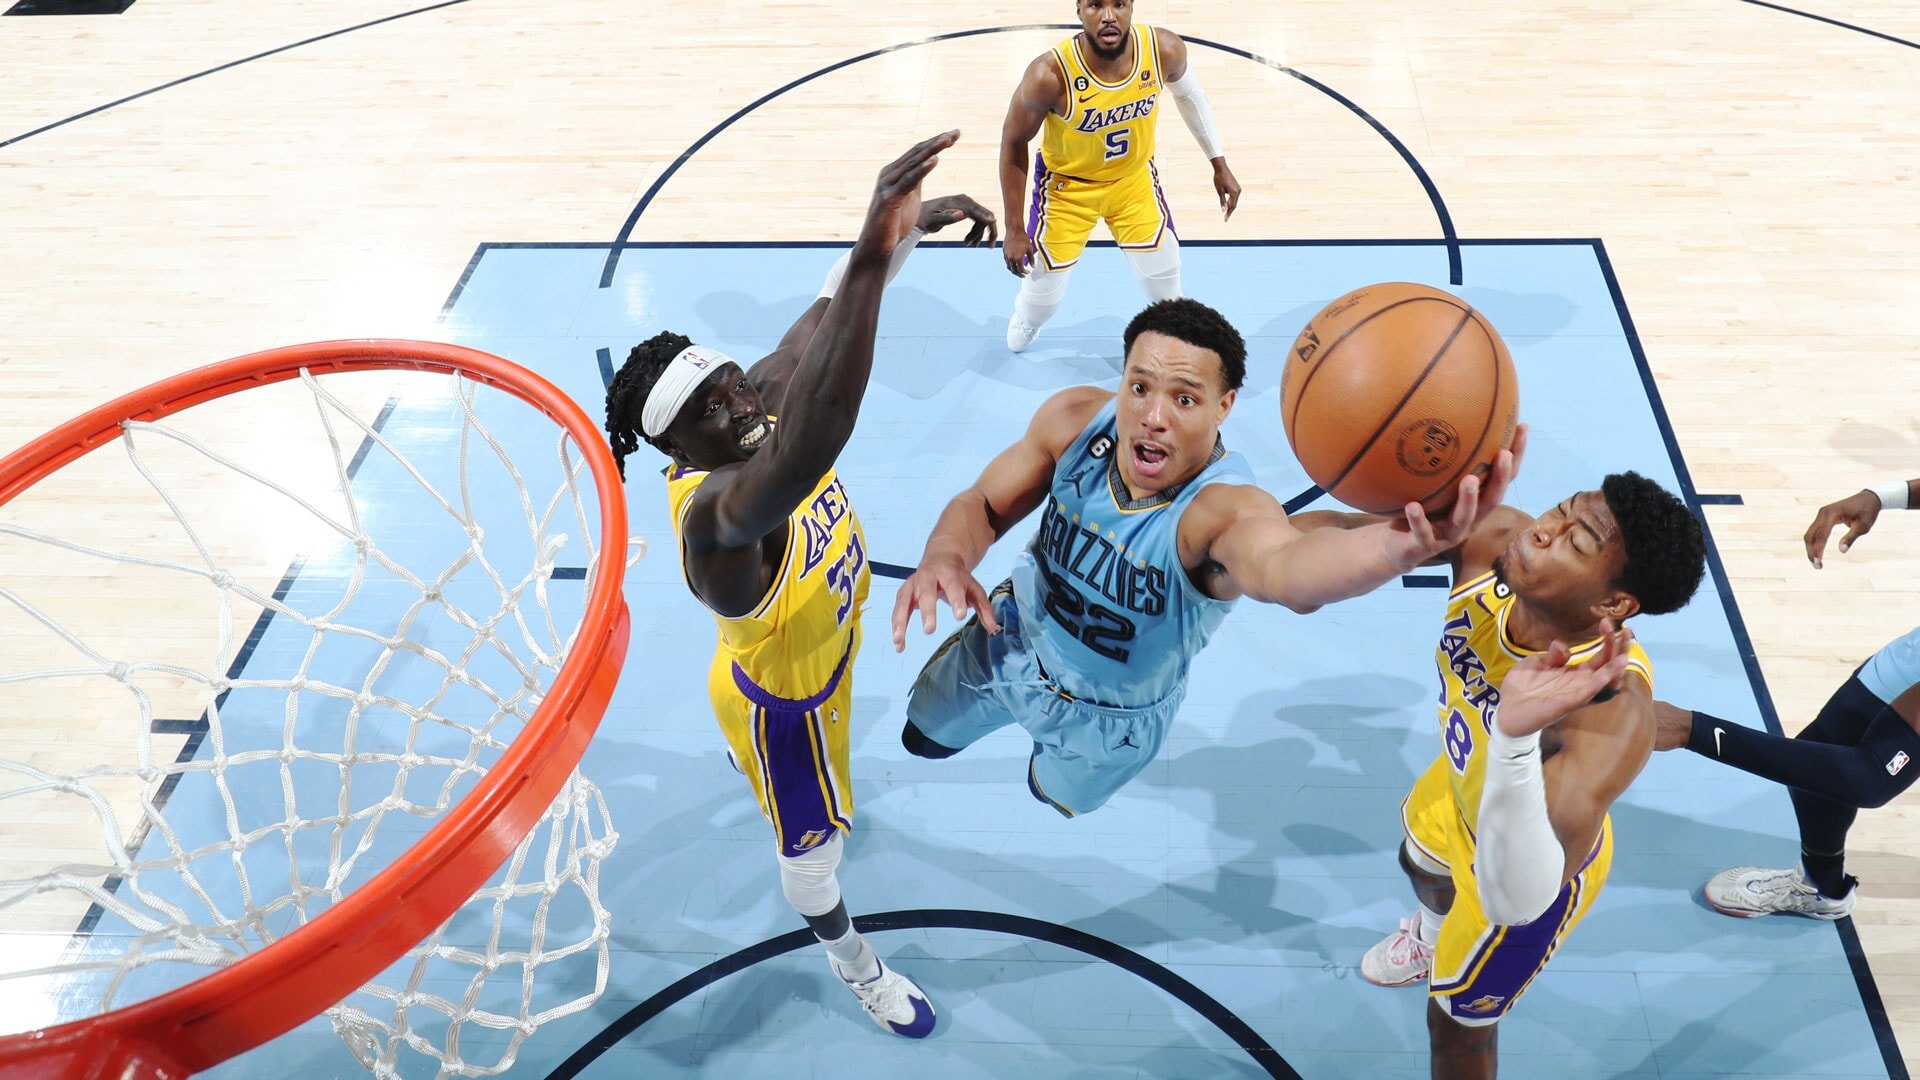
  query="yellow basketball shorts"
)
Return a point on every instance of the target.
[
  {"x": 795, "y": 753},
  {"x": 1480, "y": 969},
  {"x": 1065, "y": 209}
]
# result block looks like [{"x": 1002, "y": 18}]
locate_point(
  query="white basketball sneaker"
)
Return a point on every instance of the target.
[
  {"x": 1402, "y": 959},
  {"x": 1748, "y": 892},
  {"x": 1020, "y": 334},
  {"x": 894, "y": 1002}
]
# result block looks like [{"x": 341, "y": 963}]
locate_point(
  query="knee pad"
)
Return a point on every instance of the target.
[
  {"x": 809, "y": 881},
  {"x": 1044, "y": 288},
  {"x": 1158, "y": 270}
]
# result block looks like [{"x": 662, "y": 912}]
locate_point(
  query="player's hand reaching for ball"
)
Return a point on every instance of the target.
[
  {"x": 1416, "y": 538},
  {"x": 896, "y": 205},
  {"x": 933, "y": 580},
  {"x": 937, "y": 214}
]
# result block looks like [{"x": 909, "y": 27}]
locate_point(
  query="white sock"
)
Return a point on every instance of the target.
[
  {"x": 1427, "y": 926},
  {"x": 857, "y": 960}
]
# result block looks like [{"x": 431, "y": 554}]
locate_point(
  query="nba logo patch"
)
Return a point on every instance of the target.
[{"x": 1899, "y": 762}]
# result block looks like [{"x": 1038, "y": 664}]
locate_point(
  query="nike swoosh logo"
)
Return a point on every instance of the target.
[
  {"x": 1086, "y": 99},
  {"x": 1716, "y": 740}
]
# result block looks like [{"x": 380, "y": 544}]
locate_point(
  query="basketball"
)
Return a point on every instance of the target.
[{"x": 1394, "y": 392}]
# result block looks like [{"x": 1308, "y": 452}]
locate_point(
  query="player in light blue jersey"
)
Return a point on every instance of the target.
[{"x": 1149, "y": 531}]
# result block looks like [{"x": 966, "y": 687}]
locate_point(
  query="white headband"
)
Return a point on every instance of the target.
[{"x": 683, "y": 376}]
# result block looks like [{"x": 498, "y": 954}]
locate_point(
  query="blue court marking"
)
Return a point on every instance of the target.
[
  {"x": 621, "y": 242},
  {"x": 1254, "y": 859},
  {"x": 223, "y": 67},
  {"x": 993, "y": 921}
]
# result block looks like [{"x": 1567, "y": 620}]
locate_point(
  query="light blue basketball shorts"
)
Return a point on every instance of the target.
[
  {"x": 1895, "y": 668},
  {"x": 977, "y": 683}
]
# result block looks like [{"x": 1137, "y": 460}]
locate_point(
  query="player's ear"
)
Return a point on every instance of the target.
[
  {"x": 1618, "y": 606},
  {"x": 1226, "y": 403}
]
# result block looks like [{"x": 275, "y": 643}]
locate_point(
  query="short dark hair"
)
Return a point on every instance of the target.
[
  {"x": 1196, "y": 324},
  {"x": 629, "y": 389},
  {"x": 1666, "y": 548}
]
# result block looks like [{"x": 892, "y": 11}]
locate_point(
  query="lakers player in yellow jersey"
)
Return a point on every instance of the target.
[
  {"x": 770, "y": 543},
  {"x": 1094, "y": 100},
  {"x": 1546, "y": 716}
]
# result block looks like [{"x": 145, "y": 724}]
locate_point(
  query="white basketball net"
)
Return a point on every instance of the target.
[{"x": 311, "y": 780}]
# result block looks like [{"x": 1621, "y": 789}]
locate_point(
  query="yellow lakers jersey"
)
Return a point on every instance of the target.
[
  {"x": 1474, "y": 657},
  {"x": 804, "y": 626},
  {"x": 1108, "y": 132}
]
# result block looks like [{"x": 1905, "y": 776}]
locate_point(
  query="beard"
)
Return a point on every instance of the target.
[{"x": 1115, "y": 53}]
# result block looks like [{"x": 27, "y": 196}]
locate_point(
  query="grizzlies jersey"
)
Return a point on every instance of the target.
[
  {"x": 792, "y": 643},
  {"x": 1111, "y": 614},
  {"x": 1108, "y": 131},
  {"x": 1474, "y": 656}
]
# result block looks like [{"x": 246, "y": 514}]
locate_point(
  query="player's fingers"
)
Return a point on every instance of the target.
[
  {"x": 1466, "y": 507},
  {"x": 1856, "y": 528},
  {"x": 902, "y": 607},
  {"x": 1817, "y": 533},
  {"x": 920, "y": 152},
  {"x": 1420, "y": 527},
  {"x": 982, "y": 606}
]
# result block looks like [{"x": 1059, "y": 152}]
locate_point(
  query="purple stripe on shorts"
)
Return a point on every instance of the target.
[
  {"x": 1518, "y": 955},
  {"x": 752, "y": 692}
]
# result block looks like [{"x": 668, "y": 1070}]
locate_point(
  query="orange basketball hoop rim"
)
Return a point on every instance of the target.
[{"x": 269, "y": 992}]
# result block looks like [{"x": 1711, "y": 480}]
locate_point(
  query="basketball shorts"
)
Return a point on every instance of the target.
[
  {"x": 1480, "y": 969},
  {"x": 795, "y": 753},
  {"x": 1895, "y": 669},
  {"x": 977, "y": 683},
  {"x": 1065, "y": 209}
]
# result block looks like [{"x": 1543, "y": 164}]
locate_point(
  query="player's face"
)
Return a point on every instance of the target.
[
  {"x": 723, "y": 422},
  {"x": 1107, "y": 23},
  {"x": 1567, "y": 560},
  {"x": 1173, "y": 398}
]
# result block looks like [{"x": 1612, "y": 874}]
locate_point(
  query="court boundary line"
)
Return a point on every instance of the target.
[
  {"x": 1835, "y": 22},
  {"x": 1870, "y": 999}
]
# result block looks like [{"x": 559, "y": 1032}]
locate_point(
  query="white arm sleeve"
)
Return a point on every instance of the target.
[
  {"x": 900, "y": 252},
  {"x": 1520, "y": 859},
  {"x": 1195, "y": 110}
]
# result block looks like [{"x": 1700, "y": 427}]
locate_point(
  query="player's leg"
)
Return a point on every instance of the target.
[
  {"x": 1481, "y": 970},
  {"x": 1142, "y": 226},
  {"x": 1083, "y": 753},
  {"x": 1059, "y": 221},
  {"x": 1461, "y": 1051},
  {"x": 1858, "y": 752},
  {"x": 953, "y": 702},
  {"x": 1429, "y": 822},
  {"x": 796, "y": 754}
]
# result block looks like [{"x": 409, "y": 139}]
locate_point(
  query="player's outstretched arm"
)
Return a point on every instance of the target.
[
  {"x": 1042, "y": 90},
  {"x": 773, "y": 373},
  {"x": 831, "y": 375},
  {"x": 1870, "y": 772},
  {"x": 1191, "y": 99},
  {"x": 1857, "y": 512},
  {"x": 1244, "y": 537},
  {"x": 1009, "y": 489},
  {"x": 1539, "y": 820}
]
